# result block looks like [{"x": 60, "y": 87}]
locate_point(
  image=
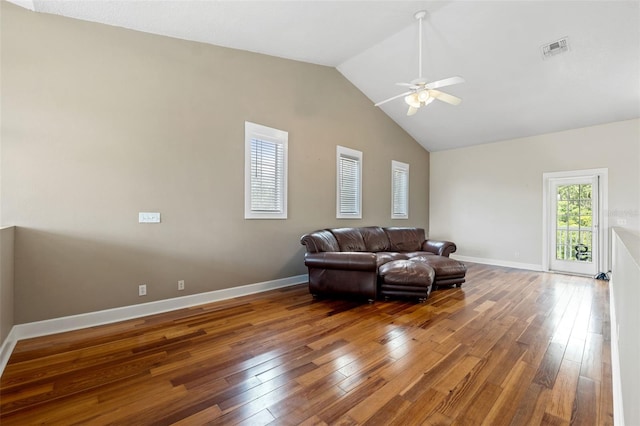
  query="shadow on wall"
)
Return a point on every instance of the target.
[{"x": 59, "y": 275}]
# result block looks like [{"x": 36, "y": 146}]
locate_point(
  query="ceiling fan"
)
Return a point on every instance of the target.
[{"x": 421, "y": 92}]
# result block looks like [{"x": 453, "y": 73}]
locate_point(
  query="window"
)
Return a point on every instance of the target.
[
  {"x": 265, "y": 172},
  {"x": 399, "y": 190},
  {"x": 349, "y": 184}
]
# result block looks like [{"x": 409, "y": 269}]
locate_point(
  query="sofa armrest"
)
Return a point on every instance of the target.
[
  {"x": 348, "y": 261},
  {"x": 441, "y": 248}
]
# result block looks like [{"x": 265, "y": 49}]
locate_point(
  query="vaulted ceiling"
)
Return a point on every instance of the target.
[{"x": 511, "y": 90}]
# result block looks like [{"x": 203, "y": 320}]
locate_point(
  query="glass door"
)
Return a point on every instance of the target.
[{"x": 574, "y": 225}]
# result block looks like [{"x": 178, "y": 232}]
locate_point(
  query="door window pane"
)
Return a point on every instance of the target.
[{"x": 574, "y": 222}]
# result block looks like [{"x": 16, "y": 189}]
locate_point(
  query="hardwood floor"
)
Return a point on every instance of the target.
[{"x": 509, "y": 347}]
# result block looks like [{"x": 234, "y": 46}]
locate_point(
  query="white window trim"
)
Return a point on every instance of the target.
[
  {"x": 267, "y": 134},
  {"x": 342, "y": 152},
  {"x": 403, "y": 168}
]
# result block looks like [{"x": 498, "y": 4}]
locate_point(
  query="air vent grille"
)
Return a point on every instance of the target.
[{"x": 555, "y": 48}]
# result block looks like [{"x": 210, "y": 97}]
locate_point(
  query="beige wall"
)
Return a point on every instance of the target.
[
  {"x": 100, "y": 123},
  {"x": 488, "y": 198},
  {"x": 6, "y": 281}
]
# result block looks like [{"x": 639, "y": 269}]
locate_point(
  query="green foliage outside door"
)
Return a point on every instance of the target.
[{"x": 574, "y": 222}]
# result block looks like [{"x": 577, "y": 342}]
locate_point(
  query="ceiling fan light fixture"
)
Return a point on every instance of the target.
[
  {"x": 412, "y": 100},
  {"x": 423, "y": 95}
]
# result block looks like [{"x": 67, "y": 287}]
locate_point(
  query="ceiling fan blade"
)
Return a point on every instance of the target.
[
  {"x": 393, "y": 97},
  {"x": 445, "y": 82},
  {"x": 412, "y": 110},
  {"x": 413, "y": 86},
  {"x": 445, "y": 97}
]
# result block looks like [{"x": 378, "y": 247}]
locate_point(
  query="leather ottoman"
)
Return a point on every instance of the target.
[
  {"x": 449, "y": 272},
  {"x": 406, "y": 278}
]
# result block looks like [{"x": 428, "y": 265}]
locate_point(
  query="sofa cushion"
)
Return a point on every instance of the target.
[
  {"x": 383, "y": 257},
  {"x": 375, "y": 239},
  {"x": 349, "y": 239},
  {"x": 405, "y": 239},
  {"x": 320, "y": 241}
]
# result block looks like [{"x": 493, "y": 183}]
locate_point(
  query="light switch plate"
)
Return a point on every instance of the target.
[{"x": 148, "y": 217}]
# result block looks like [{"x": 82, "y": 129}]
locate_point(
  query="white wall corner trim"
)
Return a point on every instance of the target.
[
  {"x": 107, "y": 316},
  {"x": 496, "y": 262},
  {"x": 618, "y": 412}
]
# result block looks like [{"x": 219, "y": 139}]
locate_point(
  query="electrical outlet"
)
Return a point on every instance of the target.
[
  {"x": 148, "y": 217},
  {"x": 181, "y": 285},
  {"x": 142, "y": 290}
]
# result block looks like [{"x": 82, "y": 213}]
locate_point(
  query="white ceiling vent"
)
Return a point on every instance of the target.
[{"x": 555, "y": 48}]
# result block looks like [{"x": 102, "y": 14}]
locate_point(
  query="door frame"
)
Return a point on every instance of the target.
[{"x": 603, "y": 216}]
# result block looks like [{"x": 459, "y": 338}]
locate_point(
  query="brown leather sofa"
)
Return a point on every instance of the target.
[{"x": 373, "y": 261}]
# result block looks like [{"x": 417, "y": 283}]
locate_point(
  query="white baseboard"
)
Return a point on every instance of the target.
[
  {"x": 496, "y": 262},
  {"x": 92, "y": 319},
  {"x": 7, "y": 348}
]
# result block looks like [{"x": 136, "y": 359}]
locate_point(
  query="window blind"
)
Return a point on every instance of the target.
[
  {"x": 267, "y": 174},
  {"x": 399, "y": 190},
  {"x": 349, "y": 176},
  {"x": 348, "y": 183}
]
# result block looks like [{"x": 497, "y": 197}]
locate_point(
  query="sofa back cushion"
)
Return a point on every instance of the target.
[
  {"x": 320, "y": 241},
  {"x": 405, "y": 239},
  {"x": 375, "y": 239},
  {"x": 349, "y": 239}
]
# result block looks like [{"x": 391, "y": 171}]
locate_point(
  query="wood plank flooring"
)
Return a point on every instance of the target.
[{"x": 509, "y": 347}]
